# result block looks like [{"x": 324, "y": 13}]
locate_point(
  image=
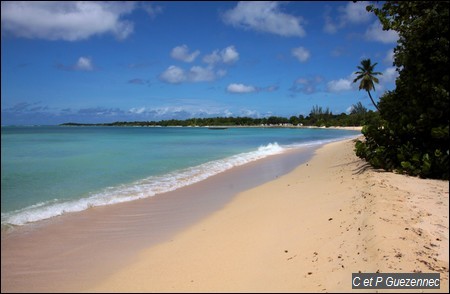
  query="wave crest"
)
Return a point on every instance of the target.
[{"x": 137, "y": 190}]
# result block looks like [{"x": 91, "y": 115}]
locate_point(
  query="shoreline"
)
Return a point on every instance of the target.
[
  {"x": 78, "y": 249},
  {"x": 142, "y": 186},
  {"x": 305, "y": 231},
  {"x": 287, "y": 126},
  {"x": 305, "y": 224}
]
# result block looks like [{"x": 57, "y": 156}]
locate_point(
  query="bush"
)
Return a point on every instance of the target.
[{"x": 412, "y": 135}]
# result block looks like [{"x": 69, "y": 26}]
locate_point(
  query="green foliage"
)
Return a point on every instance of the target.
[
  {"x": 358, "y": 108},
  {"x": 317, "y": 117},
  {"x": 413, "y": 133},
  {"x": 367, "y": 75}
]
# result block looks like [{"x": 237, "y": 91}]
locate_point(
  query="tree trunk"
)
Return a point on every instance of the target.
[{"x": 370, "y": 96}]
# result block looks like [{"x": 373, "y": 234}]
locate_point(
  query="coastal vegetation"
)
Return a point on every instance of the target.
[
  {"x": 409, "y": 132},
  {"x": 368, "y": 78},
  {"x": 318, "y": 117},
  {"x": 412, "y": 134}
]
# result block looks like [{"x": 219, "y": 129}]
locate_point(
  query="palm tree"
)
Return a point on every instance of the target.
[{"x": 367, "y": 77}]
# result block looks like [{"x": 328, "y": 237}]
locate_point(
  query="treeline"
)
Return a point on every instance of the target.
[
  {"x": 412, "y": 135},
  {"x": 318, "y": 117}
]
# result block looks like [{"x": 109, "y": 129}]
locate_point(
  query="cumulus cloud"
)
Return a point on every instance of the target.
[
  {"x": 301, "y": 54},
  {"x": 176, "y": 75},
  {"x": 197, "y": 73},
  {"x": 390, "y": 74},
  {"x": 201, "y": 74},
  {"x": 355, "y": 12},
  {"x": 227, "y": 55},
  {"x": 173, "y": 75},
  {"x": 182, "y": 53},
  {"x": 351, "y": 13},
  {"x": 66, "y": 20},
  {"x": 264, "y": 16},
  {"x": 211, "y": 72},
  {"x": 212, "y": 58},
  {"x": 375, "y": 33},
  {"x": 240, "y": 88},
  {"x": 341, "y": 85}
]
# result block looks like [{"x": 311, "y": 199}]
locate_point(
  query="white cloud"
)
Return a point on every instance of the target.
[
  {"x": 212, "y": 58},
  {"x": 227, "y": 55},
  {"x": 173, "y": 75},
  {"x": 66, "y": 20},
  {"x": 201, "y": 74},
  {"x": 355, "y": 12},
  {"x": 176, "y": 75},
  {"x": 182, "y": 53},
  {"x": 136, "y": 110},
  {"x": 352, "y": 13},
  {"x": 389, "y": 59},
  {"x": 84, "y": 63},
  {"x": 390, "y": 74},
  {"x": 240, "y": 88},
  {"x": 339, "y": 85},
  {"x": 345, "y": 84},
  {"x": 182, "y": 109},
  {"x": 375, "y": 33},
  {"x": 264, "y": 17},
  {"x": 301, "y": 54}
]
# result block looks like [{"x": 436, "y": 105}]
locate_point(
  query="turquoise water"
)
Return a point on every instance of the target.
[{"x": 48, "y": 171}]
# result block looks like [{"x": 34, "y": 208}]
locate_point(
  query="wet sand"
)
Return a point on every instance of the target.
[
  {"x": 307, "y": 231},
  {"x": 73, "y": 252}
]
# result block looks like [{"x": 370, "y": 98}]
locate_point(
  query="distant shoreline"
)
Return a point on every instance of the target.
[{"x": 352, "y": 128}]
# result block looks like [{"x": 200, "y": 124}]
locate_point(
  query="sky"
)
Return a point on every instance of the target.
[{"x": 98, "y": 62}]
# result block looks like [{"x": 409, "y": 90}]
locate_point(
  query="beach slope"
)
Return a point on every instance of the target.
[{"x": 307, "y": 231}]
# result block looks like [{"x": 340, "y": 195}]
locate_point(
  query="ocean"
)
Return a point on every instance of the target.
[{"x": 48, "y": 171}]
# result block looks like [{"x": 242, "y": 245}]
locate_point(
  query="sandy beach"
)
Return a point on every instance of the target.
[{"x": 306, "y": 231}]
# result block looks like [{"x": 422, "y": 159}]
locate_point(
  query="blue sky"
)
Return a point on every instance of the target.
[{"x": 115, "y": 61}]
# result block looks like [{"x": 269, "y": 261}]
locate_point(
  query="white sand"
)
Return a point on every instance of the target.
[{"x": 307, "y": 231}]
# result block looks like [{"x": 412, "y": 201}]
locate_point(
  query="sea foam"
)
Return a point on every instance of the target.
[{"x": 144, "y": 188}]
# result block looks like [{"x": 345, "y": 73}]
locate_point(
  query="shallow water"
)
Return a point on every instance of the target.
[{"x": 50, "y": 171}]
